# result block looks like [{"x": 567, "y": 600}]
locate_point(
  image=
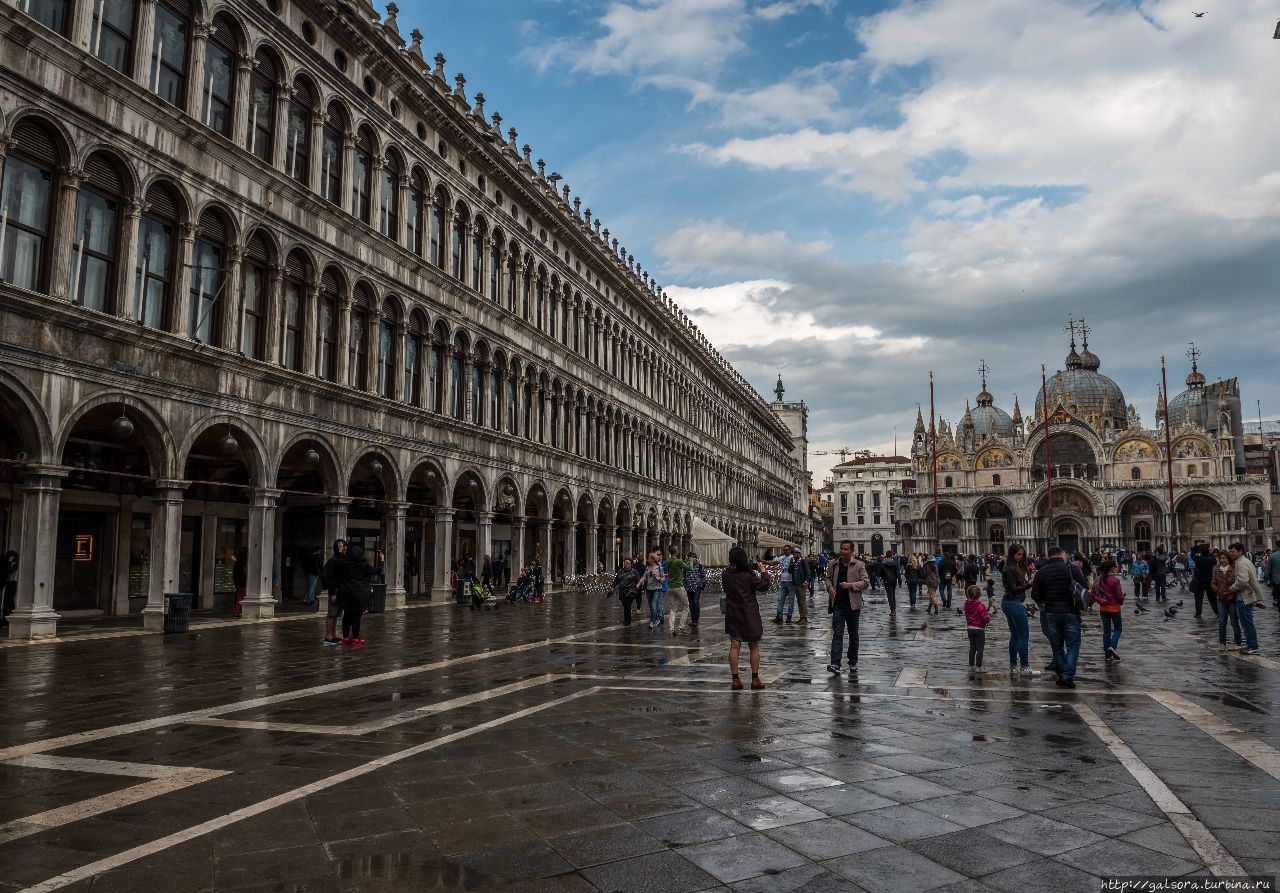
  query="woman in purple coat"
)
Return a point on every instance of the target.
[{"x": 742, "y": 612}]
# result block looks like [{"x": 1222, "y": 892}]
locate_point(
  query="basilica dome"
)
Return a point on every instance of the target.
[
  {"x": 1189, "y": 402},
  {"x": 1085, "y": 390},
  {"x": 989, "y": 418}
]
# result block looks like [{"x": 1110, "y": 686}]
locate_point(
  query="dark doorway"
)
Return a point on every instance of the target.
[
  {"x": 877, "y": 545},
  {"x": 81, "y": 559}
]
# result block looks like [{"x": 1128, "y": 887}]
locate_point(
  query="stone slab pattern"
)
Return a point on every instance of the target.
[{"x": 667, "y": 782}]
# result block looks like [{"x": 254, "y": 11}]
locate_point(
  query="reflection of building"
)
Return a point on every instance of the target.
[
  {"x": 1109, "y": 474},
  {"x": 269, "y": 278},
  {"x": 865, "y": 487}
]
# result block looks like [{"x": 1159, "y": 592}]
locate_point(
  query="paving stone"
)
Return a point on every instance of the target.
[
  {"x": 968, "y": 810},
  {"x": 692, "y": 826},
  {"x": 805, "y": 879},
  {"x": 971, "y": 852},
  {"x": 842, "y": 799},
  {"x": 1108, "y": 822},
  {"x": 1116, "y": 857},
  {"x": 901, "y": 823},
  {"x": 826, "y": 839},
  {"x": 607, "y": 844},
  {"x": 1045, "y": 874},
  {"x": 1041, "y": 834},
  {"x": 742, "y": 857},
  {"x": 893, "y": 869},
  {"x": 771, "y": 812},
  {"x": 665, "y": 872}
]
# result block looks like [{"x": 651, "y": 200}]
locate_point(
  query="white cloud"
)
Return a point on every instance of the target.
[{"x": 708, "y": 246}]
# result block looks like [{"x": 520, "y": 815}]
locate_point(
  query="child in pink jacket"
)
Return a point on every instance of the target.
[{"x": 976, "y": 619}]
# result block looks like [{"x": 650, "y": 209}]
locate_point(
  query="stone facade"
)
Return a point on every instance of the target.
[
  {"x": 269, "y": 279},
  {"x": 864, "y": 489},
  {"x": 1108, "y": 473}
]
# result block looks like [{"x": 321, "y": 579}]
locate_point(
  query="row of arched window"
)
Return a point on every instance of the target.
[{"x": 249, "y": 100}]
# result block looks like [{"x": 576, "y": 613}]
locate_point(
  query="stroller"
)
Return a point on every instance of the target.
[
  {"x": 481, "y": 598},
  {"x": 524, "y": 590}
]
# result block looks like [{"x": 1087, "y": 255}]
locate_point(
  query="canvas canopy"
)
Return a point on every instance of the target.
[
  {"x": 770, "y": 542},
  {"x": 711, "y": 544}
]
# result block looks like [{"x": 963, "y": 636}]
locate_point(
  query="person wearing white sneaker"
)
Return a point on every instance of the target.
[
  {"x": 847, "y": 579},
  {"x": 1248, "y": 593}
]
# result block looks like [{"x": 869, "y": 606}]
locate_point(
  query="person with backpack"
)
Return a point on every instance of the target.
[
  {"x": 1057, "y": 588},
  {"x": 931, "y": 578},
  {"x": 1108, "y": 594},
  {"x": 946, "y": 579},
  {"x": 354, "y": 576}
]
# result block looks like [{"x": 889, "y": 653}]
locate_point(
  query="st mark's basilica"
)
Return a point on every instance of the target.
[{"x": 1108, "y": 473}]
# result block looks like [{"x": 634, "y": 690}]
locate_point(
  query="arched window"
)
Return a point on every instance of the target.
[
  {"x": 526, "y": 294},
  {"x": 389, "y": 197},
  {"x": 437, "y": 229},
  {"x": 207, "y": 255},
  {"x": 478, "y": 384},
  {"x": 435, "y": 393},
  {"x": 1142, "y": 532},
  {"x": 362, "y": 177},
  {"x": 358, "y": 346},
  {"x": 1135, "y": 473},
  {"x": 540, "y": 293},
  {"x": 333, "y": 138},
  {"x": 1191, "y": 470},
  {"x": 262, "y": 106},
  {"x": 217, "y": 109},
  {"x": 528, "y": 412},
  {"x": 296, "y": 275},
  {"x": 26, "y": 207},
  {"x": 477, "y": 256},
  {"x": 169, "y": 51},
  {"x": 388, "y": 363},
  {"x": 112, "y": 33},
  {"x": 327, "y": 327},
  {"x": 53, "y": 14},
  {"x": 415, "y": 214},
  {"x": 564, "y": 319},
  {"x": 995, "y": 480},
  {"x": 458, "y": 245},
  {"x": 457, "y": 390},
  {"x": 555, "y": 422},
  {"x": 413, "y": 364},
  {"x": 157, "y": 240},
  {"x": 511, "y": 404},
  {"x": 253, "y": 296},
  {"x": 93, "y": 257},
  {"x": 947, "y": 482},
  {"x": 298, "y": 138}
]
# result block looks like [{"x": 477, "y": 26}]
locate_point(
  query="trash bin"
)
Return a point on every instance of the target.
[
  {"x": 177, "y": 612},
  {"x": 378, "y": 598},
  {"x": 462, "y": 595}
]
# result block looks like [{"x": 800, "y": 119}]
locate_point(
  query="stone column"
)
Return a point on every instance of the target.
[
  {"x": 259, "y": 599},
  {"x": 229, "y": 334},
  {"x": 318, "y": 118},
  {"x": 335, "y": 520},
  {"x": 399, "y": 346},
  {"x": 571, "y": 549},
  {"x": 517, "y": 547},
  {"x": 592, "y": 558},
  {"x": 280, "y": 138},
  {"x": 344, "y": 340},
  {"x": 166, "y": 549},
  {"x": 348, "y": 165},
  {"x": 240, "y": 107},
  {"x": 195, "y": 77},
  {"x": 443, "y": 547},
  {"x": 614, "y": 547},
  {"x": 372, "y": 334},
  {"x": 64, "y": 228},
  {"x": 127, "y": 261},
  {"x": 271, "y": 315},
  {"x": 484, "y": 538},
  {"x": 33, "y": 616},
  {"x": 548, "y": 534},
  {"x": 393, "y": 532},
  {"x": 180, "y": 296},
  {"x": 145, "y": 43},
  {"x": 310, "y": 327}
]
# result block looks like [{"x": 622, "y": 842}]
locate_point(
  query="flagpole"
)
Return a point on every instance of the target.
[
  {"x": 933, "y": 465},
  {"x": 1168, "y": 456},
  {"x": 1048, "y": 456}
]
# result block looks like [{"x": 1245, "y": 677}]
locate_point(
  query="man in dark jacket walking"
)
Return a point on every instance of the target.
[
  {"x": 1203, "y": 563},
  {"x": 1052, "y": 590}
]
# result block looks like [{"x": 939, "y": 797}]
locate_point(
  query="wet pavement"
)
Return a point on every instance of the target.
[{"x": 547, "y": 748}]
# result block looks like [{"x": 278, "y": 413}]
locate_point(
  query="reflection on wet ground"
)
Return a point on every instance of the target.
[{"x": 547, "y": 747}]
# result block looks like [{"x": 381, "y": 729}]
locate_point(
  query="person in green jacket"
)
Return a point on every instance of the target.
[{"x": 677, "y": 595}]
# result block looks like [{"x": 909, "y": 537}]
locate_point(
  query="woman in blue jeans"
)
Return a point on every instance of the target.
[{"x": 1017, "y": 582}]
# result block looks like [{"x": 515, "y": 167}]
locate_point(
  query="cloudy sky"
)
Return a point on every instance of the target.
[{"x": 854, "y": 193}]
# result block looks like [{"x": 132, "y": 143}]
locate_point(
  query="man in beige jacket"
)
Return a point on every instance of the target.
[
  {"x": 847, "y": 579},
  {"x": 1248, "y": 593}
]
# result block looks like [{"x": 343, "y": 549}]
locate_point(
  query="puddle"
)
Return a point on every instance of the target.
[
  {"x": 979, "y": 737},
  {"x": 750, "y": 758}
]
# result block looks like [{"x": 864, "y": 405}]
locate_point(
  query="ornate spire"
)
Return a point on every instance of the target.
[
  {"x": 984, "y": 397},
  {"x": 1088, "y": 359},
  {"x": 1017, "y": 411},
  {"x": 919, "y": 421},
  {"x": 1159, "y": 403},
  {"x": 1196, "y": 378},
  {"x": 778, "y": 389},
  {"x": 1073, "y": 358}
]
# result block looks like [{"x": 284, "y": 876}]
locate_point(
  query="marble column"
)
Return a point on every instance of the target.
[
  {"x": 64, "y": 228},
  {"x": 517, "y": 548},
  {"x": 127, "y": 268},
  {"x": 548, "y": 533},
  {"x": 592, "y": 557},
  {"x": 259, "y": 599},
  {"x": 443, "y": 553},
  {"x": 393, "y": 532},
  {"x": 34, "y": 617},
  {"x": 166, "y": 549},
  {"x": 484, "y": 538},
  {"x": 571, "y": 549},
  {"x": 335, "y": 520}
]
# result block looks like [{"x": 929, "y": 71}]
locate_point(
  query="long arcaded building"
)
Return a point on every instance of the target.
[{"x": 269, "y": 277}]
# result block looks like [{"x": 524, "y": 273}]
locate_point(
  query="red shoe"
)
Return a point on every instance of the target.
[
  {"x": 357, "y": 643},
  {"x": 737, "y": 684},
  {"x": 756, "y": 683},
  {"x": 347, "y": 641}
]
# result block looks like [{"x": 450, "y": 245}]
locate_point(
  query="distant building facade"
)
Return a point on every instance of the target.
[{"x": 863, "y": 492}]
